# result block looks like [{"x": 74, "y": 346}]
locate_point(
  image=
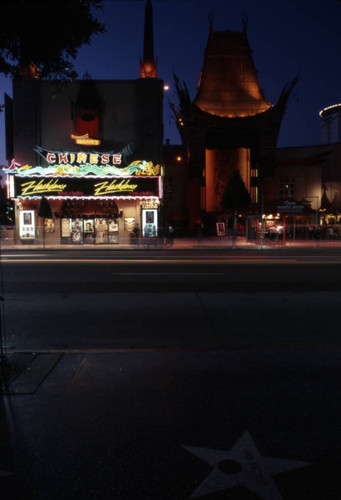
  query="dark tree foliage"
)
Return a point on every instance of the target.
[
  {"x": 41, "y": 38},
  {"x": 44, "y": 210},
  {"x": 235, "y": 194}
]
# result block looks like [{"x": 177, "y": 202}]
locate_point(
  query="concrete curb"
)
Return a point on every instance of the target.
[{"x": 181, "y": 245}]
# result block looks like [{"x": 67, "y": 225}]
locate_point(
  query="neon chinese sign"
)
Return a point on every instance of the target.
[
  {"x": 82, "y": 164},
  {"x": 81, "y": 158}
]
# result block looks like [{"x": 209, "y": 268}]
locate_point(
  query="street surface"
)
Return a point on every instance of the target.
[{"x": 171, "y": 374}]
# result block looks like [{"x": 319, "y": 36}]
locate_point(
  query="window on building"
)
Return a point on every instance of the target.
[
  {"x": 254, "y": 194},
  {"x": 287, "y": 187}
]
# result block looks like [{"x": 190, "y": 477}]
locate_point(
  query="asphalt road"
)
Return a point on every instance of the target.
[
  {"x": 84, "y": 300},
  {"x": 171, "y": 376}
]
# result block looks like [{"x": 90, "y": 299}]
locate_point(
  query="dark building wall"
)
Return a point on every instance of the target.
[
  {"x": 26, "y": 106},
  {"x": 130, "y": 111},
  {"x": 149, "y": 118},
  {"x": 175, "y": 184}
]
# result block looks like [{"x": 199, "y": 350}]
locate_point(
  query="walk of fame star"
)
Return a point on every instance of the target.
[{"x": 242, "y": 466}]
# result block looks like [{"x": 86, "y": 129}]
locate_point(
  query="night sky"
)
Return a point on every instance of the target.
[{"x": 287, "y": 37}]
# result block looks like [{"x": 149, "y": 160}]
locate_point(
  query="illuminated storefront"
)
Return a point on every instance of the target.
[
  {"x": 97, "y": 197},
  {"x": 93, "y": 149}
]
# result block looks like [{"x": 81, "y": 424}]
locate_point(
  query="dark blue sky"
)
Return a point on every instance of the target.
[{"x": 287, "y": 37}]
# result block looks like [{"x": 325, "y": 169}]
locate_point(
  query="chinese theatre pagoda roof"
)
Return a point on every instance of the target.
[{"x": 228, "y": 85}]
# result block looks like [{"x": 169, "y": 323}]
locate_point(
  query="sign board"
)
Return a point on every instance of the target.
[
  {"x": 27, "y": 225},
  {"x": 94, "y": 187},
  {"x": 149, "y": 223},
  {"x": 290, "y": 207},
  {"x": 221, "y": 229},
  {"x": 83, "y": 164}
]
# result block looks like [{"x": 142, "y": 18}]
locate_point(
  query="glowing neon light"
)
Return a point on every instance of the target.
[
  {"x": 35, "y": 187},
  {"x": 77, "y": 159},
  {"x": 140, "y": 168},
  {"x": 10, "y": 186},
  {"x": 56, "y": 197},
  {"x": 335, "y": 107},
  {"x": 83, "y": 157},
  {"x": 115, "y": 186},
  {"x": 160, "y": 187},
  {"x": 85, "y": 140},
  {"x": 13, "y": 167}
]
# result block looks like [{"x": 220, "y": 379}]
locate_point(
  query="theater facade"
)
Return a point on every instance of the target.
[
  {"x": 95, "y": 197},
  {"x": 93, "y": 149}
]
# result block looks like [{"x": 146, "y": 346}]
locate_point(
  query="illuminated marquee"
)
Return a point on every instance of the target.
[
  {"x": 41, "y": 187},
  {"x": 85, "y": 174},
  {"x": 91, "y": 187},
  {"x": 138, "y": 168},
  {"x": 115, "y": 186},
  {"x": 81, "y": 164},
  {"x": 84, "y": 157}
]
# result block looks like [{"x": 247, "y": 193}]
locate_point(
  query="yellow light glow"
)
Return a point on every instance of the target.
[
  {"x": 166, "y": 87},
  {"x": 85, "y": 140},
  {"x": 328, "y": 108}
]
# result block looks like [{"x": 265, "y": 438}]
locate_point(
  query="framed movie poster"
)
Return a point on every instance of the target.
[
  {"x": 149, "y": 223},
  {"x": 88, "y": 226},
  {"x": 129, "y": 223},
  {"x": 101, "y": 230},
  {"x": 27, "y": 218},
  {"x": 49, "y": 225},
  {"x": 77, "y": 231},
  {"x": 66, "y": 228},
  {"x": 113, "y": 231},
  {"x": 221, "y": 229},
  {"x": 89, "y": 231},
  {"x": 113, "y": 226},
  {"x": 27, "y": 225},
  {"x": 150, "y": 216}
]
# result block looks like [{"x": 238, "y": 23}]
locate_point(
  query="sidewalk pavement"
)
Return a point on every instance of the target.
[
  {"x": 174, "y": 426},
  {"x": 208, "y": 243}
]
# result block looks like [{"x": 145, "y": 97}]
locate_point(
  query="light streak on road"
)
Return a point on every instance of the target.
[
  {"x": 24, "y": 255},
  {"x": 137, "y": 261},
  {"x": 302, "y": 260}
]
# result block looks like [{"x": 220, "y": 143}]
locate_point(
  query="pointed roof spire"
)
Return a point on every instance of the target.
[
  {"x": 148, "y": 66},
  {"x": 228, "y": 85}
]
